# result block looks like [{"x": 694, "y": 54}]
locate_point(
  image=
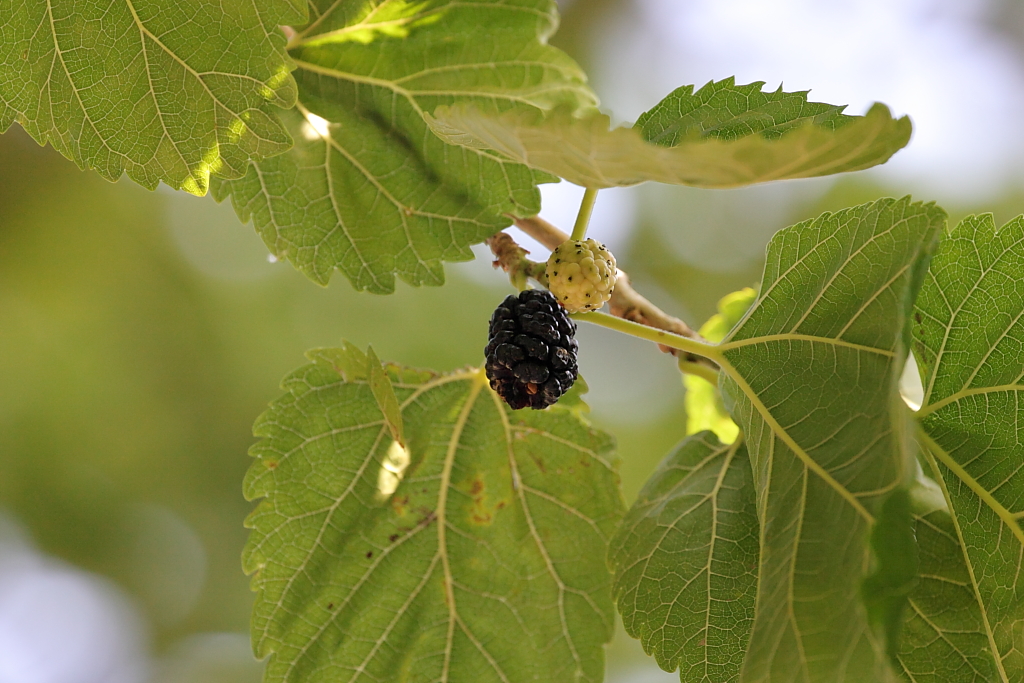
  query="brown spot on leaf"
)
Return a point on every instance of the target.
[
  {"x": 369, "y": 554},
  {"x": 482, "y": 510},
  {"x": 400, "y": 504},
  {"x": 271, "y": 464},
  {"x": 483, "y": 518},
  {"x": 392, "y": 538}
]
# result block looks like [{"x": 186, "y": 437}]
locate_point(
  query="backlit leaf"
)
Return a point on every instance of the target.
[
  {"x": 704, "y": 409},
  {"x": 895, "y": 568},
  {"x": 969, "y": 342},
  {"x": 810, "y": 376},
  {"x": 721, "y": 136},
  {"x": 685, "y": 561},
  {"x": 475, "y": 554},
  {"x": 162, "y": 91},
  {"x": 943, "y": 637},
  {"x": 367, "y": 189},
  {"x": 384, "y": 394}
]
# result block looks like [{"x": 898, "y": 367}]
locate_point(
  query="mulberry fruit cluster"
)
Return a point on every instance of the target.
[
  {"x": 581, "y": 275},
  {"x": 531, "y": 350}
]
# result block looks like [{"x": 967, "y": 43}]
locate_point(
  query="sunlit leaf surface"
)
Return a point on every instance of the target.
[
  {"x": 723, "y": 135},
  {"x": 969, "y": 341},
  {"x": 478, "y": 556},
  {"x": 162, "y": 91},
  {"x": 367, "y": 189},
  {"x": 685, "y": 561},
  {"x": 810, "y": 377}
]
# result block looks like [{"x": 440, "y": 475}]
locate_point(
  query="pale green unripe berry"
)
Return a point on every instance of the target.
[{"x": 581, "y": 275}]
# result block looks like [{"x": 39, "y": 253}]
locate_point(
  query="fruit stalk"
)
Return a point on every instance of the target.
[
  {"x": 579, "y": 230},
  {"x": 625, "y": 302}
]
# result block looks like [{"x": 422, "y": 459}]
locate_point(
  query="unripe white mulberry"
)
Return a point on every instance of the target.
[{"x": 581, "y": 275}]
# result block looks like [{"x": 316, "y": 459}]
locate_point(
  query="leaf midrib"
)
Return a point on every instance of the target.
[
  {"x": 518, "y": 488},
  {"x": 144, "y": 33},
  {"x": 717, "y": 354},
  {"x": 331, "y": 143},
  {"x": 441, "y": 510},
  {"x": 965, "y": 393},
  {"x": 983, "y": 273},
  {"x": 792, "y": 336},
  {"x": 442, "y": 516},
  {"x": 868, "y": 139},
  {"x": 791, "y": 443},
  {"x": 411, "y": 95},
  {"x": 783, "y": 276},
  {"x": 733, "y": 448},
  {"x": 932, "y": 451},
  {"x": 715, "y": 453},
  {"x": 426, "y": 386},
  {"x": 1008, "y": 518}
]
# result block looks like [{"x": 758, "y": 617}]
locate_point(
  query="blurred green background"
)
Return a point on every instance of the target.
[{"x": 142, "y": 333}]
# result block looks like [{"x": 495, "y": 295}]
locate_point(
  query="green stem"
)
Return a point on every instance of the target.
[
  {"x": 579, "y": 231},
  {"x": 699, "y": 370},
  {"x": 653, "y": 334}
]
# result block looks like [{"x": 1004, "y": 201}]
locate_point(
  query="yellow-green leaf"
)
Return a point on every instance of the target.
[
  {"x": 969, "y": 342},
  {"x": 685, "y": 561},
  {"x": 384, "y": 394},
  {"x": 721, "y": 136},
  {"x": 810, "y": 376},
  {"x": 367, "y": 189},
  {"x": 162, "y": 91},
  {"x": 475, "y": 553}
]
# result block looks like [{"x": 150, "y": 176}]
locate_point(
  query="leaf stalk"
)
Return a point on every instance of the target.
[
  {"x": 626, "y": 302},
  {"x": 691, "y": 347},
  {"x": 579, "y": 230}
]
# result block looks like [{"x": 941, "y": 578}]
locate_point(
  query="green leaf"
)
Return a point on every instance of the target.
[
  {"x": 367, "y": 189},
  {"x": 685, "y": 561},
  {"x": 727, "y": 111},
  {"x": 723, "y": 135},
  {"x": 162, "y": 91},
  {"x": 384, "y": 394},
  {"x": 475, "y": 554},
  {"x": 896, "y": 568},
  {"x": 969, "y": 342},
  {"x": 810, "y": 376},
  {"x": 704, "y": 409},
  {"x": 943, "y": 638}
]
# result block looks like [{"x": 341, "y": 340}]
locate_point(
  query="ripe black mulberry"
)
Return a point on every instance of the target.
[{"x": 531, "y": 350}]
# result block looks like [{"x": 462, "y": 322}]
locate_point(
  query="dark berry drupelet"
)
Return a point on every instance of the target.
[{"x": 531, "y": 352}]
